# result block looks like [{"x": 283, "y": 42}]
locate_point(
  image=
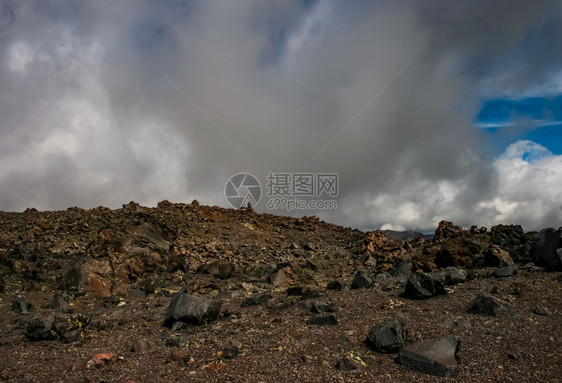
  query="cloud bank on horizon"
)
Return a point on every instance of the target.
[{"x": 104, "y": 102}]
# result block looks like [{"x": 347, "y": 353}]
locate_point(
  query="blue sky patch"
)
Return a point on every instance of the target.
[{"x": 538, "y": 119}]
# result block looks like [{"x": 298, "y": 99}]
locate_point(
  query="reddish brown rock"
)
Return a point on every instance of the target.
[
  {"x": 446, "y": 230},
  {"x": 497, "y": 257},
  {"x": 101, "y": 359}
]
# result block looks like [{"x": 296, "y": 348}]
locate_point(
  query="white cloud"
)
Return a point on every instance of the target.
[{"x": 529, "y": 185}]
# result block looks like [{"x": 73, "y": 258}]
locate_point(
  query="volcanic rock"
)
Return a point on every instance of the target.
[
  {"x": 321, "y": 307},
  {"x": 361, "y": 281},
  {"x": 21, "y": 306},
  {"x": 423, "y": 286},
  {"x": 40, "y": 329},
  {"x": 256, "y": 299},
  {"x": 191, "y": 309},
  {"x": 335, "y": 285},
  {"x": 59, "y": 303},
  {"x": 506, "y": 271},
  {"x": 512, "y": 239},
  {"x": 496, "y": 257},
  {"x": 388, "y": 337},
  {"x": 446, "y": 230},
  {"x": 437, "y": 358},
  {"x": 454, "y": 276},
  {"x": 544, "y": 248},
  {"x": 486, "y": 304}
]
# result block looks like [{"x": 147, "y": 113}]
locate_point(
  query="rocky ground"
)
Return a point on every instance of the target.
[{"x": 185, "y": 292}]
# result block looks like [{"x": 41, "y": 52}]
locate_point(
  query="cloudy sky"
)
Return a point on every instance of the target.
[{"x": 427, "y": 109}]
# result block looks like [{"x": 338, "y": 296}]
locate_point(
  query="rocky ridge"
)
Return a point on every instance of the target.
[{"x": 188, "y": 273}]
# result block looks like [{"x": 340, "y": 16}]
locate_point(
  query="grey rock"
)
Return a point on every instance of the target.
[
  {"x": 59, "y": 303},
  {"x": 423, "y": 286},
  {"x": 541, "y": 310},
  {"x": 256, "y": 299},
  {"x": 361, "y": 281},
  {"x": 454, "y": 276},
  {"x": 320, "y": 307},
  {"x": 21, "y": 306},
  {"x": 437, "y": 358},
  {"x": 230, "y": 352},
  {"x": 335, "y": 285},
  {"x": 309, "y": 293},
  {"x": 388, "y": 337},
  {"x": 504, "y": 272},
  {"x": 543, "y": 251},
  {"x": 512, "y": 239},
  {"x": 191, "y": 309},
  {"x": 486, "y": 304},
  {"x": 40, "y": 329}
]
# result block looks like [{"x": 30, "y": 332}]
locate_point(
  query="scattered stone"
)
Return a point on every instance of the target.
[
  {"x": 191, "y": 309},
  {"x": 423, "y": 286},
  {"x": 361, "y": 281},
  {"x": 388, "y": 336},
  {"x": 454, "y": 276},
  {"x": 139, "y": 346},
  {"x": 320, "y": 307},
  {"x": 323, "y": 320},
  {"x": 21, "y": 306},
  {"x": 504, "y": 272},
  {"x": 310, "y": 293},
  {"x": 256, "y": 299},
  {"x": 219, "y": 269},
  {"x": 101, "y": 359},
  {"x": 541, "y": 310},
  {"x": 335, "y": 285},
  {"x": 224, "y": 294},
  {"x": 536, "y": 269},
  {"x": 40, "y": 329},
  {"x": 230, "y": 352},
  {"x": 111, "y": 302},
  {"x": 60, "y": 304},
  {"x": 283, "y": 277},
  {"x": 176, "y": 342},
  {"x": 495, "y": 290},
  {"x": 437, "y": 358},
  {"x": 486, "y": 304},
  {"x": 350, "y": 362}
]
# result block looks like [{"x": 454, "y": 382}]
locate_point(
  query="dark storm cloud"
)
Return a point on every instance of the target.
[{"x": 87, "y": 119}]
